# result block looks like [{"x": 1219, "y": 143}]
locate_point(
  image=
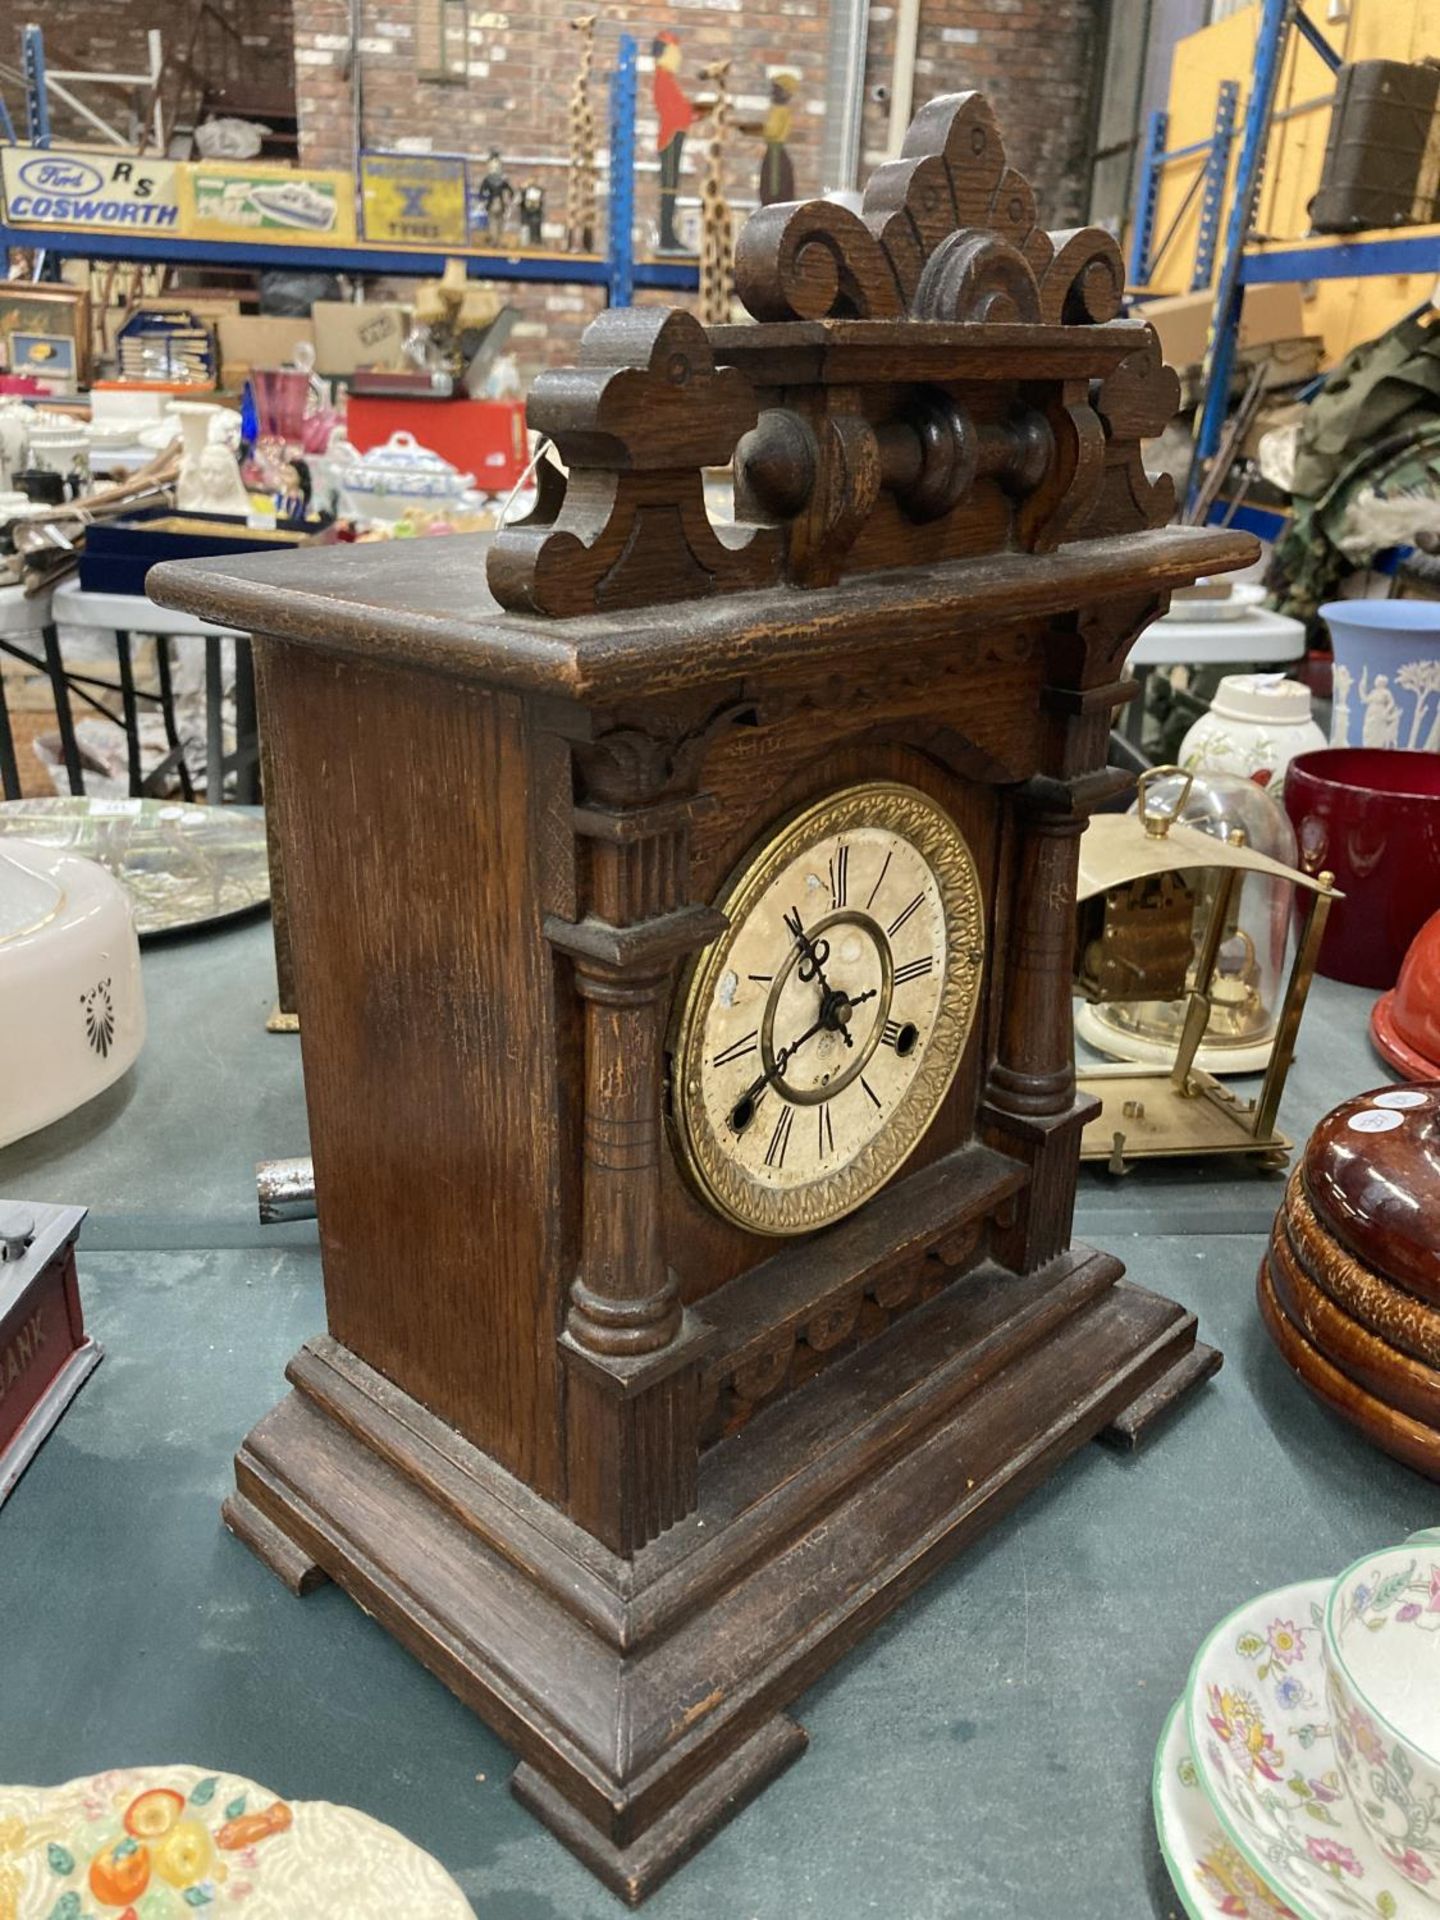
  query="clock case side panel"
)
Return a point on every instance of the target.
[{"x": 429, "y": 1037}]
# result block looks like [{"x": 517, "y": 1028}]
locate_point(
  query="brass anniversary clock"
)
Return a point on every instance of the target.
[
  {"x": 682, "y": 918},
  {"x": 819, "y": 1034}
]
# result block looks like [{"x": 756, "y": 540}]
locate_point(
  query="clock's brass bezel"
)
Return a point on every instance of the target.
[{"x": 890, "y": 806}]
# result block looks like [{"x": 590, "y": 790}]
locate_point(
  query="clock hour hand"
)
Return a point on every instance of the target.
[
  {"x": 835, "y": 1011},
  {"x": 810, "y": 953}
]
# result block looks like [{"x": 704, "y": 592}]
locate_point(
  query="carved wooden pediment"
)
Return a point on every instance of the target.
[
  {"x": 932, "y": 378},
  {"x": 948, "y": 232}
]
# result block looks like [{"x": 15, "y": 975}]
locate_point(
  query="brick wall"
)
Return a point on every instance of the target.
[
  {"x": 111, "y": 34},
  {"x": 521, "y": 64},
  {"x": 1033, "y": 58}
]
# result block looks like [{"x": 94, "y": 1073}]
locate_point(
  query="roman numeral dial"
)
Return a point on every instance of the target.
[{"x": 816, "y": 1038}]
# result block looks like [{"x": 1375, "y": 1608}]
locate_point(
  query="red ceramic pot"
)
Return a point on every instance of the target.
[
  {"x": 1371, "y": 817},
  {"x": 1405, "y": 1023}
]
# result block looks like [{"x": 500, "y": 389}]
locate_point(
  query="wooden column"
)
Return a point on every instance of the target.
[
  {"x": 1034, "y": 1070},
  {"x": 1031, "y": 1109},
  {"x": 632, "y": 1350}
]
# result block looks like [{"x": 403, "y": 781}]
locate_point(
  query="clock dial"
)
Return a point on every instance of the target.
[{"x": 818, "y": 1035}]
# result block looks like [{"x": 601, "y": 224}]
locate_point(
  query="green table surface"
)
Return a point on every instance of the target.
[{"x": 987, "y": 1752}]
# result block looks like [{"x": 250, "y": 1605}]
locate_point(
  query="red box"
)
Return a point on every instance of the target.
[
  {"x": 45, "y": 1353},
  {"x": 483, "y": 437}
]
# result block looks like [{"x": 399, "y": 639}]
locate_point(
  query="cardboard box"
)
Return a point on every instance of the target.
[
  {"x": 350, "y": 335},
  {"x": 1182, "y": 321},
  {"x": 258, "y": 340}
]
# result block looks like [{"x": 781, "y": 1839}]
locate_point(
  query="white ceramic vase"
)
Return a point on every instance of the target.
[
  {"x": 1256, "y": 725},
  {"x": 14, "y": 441}
]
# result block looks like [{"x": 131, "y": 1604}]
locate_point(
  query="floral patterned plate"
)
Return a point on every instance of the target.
[
  {"x": 171, "y": 1843},
  {"x": 1211, "y": 1875},
  {"x": 1259, "y": 1732}
]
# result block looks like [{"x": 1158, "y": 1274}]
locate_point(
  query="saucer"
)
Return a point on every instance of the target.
[
  {"x": 1210, "y": 1873},
  {"x": 1259, "y": 1732}
]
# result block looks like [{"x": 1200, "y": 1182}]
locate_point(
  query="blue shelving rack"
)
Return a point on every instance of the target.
[
  {"x": 37, "y": 104},
  {"x": 1244, "y": 265},
  {"x": 622, "y": 175},
  {"x": 1209, "y": 183},
  {"x": 675, "y": 275},
  {"x": 618, "y": 272}
]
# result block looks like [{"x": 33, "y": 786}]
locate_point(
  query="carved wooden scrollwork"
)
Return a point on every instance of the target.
[
  {"x": 946, "y": 232},
  {"x": 636, "y": 421},
  {"x": 733, "y": 1391},
  {"x": 979, "y": 277},
  {"x": 814, "y": 261},
  {"x": 971, "y": 390},
  {"x": 1085, "y": 282},
  {"x": 1134, "y": 402}
]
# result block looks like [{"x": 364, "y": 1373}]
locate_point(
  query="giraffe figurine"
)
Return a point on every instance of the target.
[
  {"x": 717, "y": 226},
  {"x": 581, "y": 218}
]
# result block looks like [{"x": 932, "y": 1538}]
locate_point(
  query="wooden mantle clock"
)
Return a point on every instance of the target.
[{"x": 682, "y": 932}]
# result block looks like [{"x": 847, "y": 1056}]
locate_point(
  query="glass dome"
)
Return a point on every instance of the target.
[{"x": 1249, "y": 982}]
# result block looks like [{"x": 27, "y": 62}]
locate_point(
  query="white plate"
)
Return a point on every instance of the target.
[
  {"x": 1244, "y": 597},
  {"x": 1259, "y": 1732},
  {"x": 173, "y": 1842},
  {"x": 1211, "y": 1875}
]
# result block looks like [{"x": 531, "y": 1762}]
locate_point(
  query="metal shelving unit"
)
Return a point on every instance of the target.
[
  {"x": 616, "y": 270},
  {"x": 1209, "y": 183},
  {"x": 566, "y": 269},
  {"x": 1331, "y": 257},
  {"x": 1325, "y": 257}
]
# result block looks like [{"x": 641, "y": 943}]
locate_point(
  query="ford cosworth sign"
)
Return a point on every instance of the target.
[{"x": 113, "y": 192}]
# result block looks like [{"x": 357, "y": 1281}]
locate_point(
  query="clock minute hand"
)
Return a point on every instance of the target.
[{"x": 782, "y": 1060}]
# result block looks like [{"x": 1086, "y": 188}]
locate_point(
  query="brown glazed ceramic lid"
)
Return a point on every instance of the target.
[{"x": 1372, "y": 1173}]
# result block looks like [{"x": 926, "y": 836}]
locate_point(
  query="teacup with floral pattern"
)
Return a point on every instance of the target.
[{"x": 1382, "y": 1660}]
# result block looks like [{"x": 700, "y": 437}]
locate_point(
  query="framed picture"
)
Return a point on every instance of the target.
[
  {"x": 49, "y": 356},
  {"x": 48, "y": 312}
]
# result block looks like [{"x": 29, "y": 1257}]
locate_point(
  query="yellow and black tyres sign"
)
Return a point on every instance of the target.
[{"x": 414, "y": 199}]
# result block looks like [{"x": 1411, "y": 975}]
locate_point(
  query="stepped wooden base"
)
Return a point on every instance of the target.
[
  {"x": 645, "y": 1696},
  {"x": 1130, "y": 1428},
  {"x": 296, "y": 1570},
  {"x": 635, "y": 1871}
]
